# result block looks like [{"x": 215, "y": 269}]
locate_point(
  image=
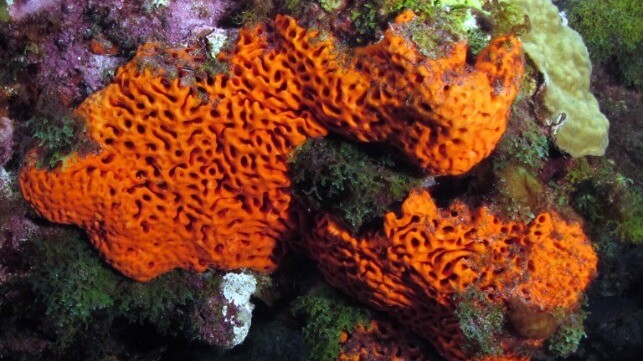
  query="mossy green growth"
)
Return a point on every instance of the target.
[
  {"x": 371, "y": 16},
  {"x": 71, "y": 281},
  {"x": 606, "y": 199},
  {"x": 254, "y": 12},
  {"x": 331, "y": 5},
  {"x": 4, "y": 13},
  {"x": 433, "y": 33},
  {"x": 58, "y": 132},
  {"x": 344, "y": 179},
  {"x": 367, "y": 19},
  {"x": 613, "y": 32},
  {"x": 520, "y": 154},
  {"x": 521, "y": 194},
  {"x": 477, "y": 40},
  {"x": 327, "y": 314},
  {"x": 70, "y": 287},
  {"x": 289, "y": 6},
  {"x": 427, "y": 6},
  {"x": 524, "y": 144},
  {"x": 212, "y": 67},
  {"x": 630, "y": 228},
  {"x": 56, "y": 137},
  {"x": 508, "y": 18},
  {"x": 440, "y": 23},
  {"x": 419, "y": 7},
  {"x": 567, "y": 337},
  {"x": 480, "y": 322}
]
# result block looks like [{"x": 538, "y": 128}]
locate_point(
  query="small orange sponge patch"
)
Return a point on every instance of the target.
[
  {"x": 193, "y": 174},
  {"x": 415, "y": 266},
  {"x": 380, "y": 340}
]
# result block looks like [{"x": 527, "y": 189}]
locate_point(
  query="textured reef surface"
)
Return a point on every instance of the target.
[{"x": 321, "y": 180}]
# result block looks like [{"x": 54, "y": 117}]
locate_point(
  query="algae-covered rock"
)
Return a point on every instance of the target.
[
  {"x": 562, "y": 58},
  {"x": 613, "y": 32}
]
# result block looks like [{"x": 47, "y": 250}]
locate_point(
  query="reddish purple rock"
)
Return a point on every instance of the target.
[
  {"x": 73, "y": 47},
  {"x": 6, "y": 140}
]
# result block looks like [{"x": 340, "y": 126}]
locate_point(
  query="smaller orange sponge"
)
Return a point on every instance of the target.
[
  {"x": 444, "y": 114},
  {"x": 421, "y": 259}
]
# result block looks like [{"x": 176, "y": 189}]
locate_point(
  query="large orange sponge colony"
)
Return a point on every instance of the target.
[
  {"x": 181, "y": 182},
  {"x": 422, "y": 259},
  {"x": 192, "y": 173}
]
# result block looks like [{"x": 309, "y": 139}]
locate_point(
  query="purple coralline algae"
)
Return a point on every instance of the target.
[
  {"x": 22, "y": 9},
  {"x": 73, "y": 47},
  {"x": 208, "y": 323},
  {"x": 223, "y": 319}
]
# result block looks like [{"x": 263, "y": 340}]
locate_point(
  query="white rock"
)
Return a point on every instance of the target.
[
  {"x": 5, "y": 183},
  {"x": 159, "y": 3},
  {"x": 215, "y": 40},
  {"x": 237, "y": 289}
]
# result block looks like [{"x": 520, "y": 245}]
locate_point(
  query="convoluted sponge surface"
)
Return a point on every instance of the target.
[
  {"x": 182, "y": 181},
  {"x": 421, "y": 259},
  {"x": 193, "y": 172},
  {"x": 445, "y": 115}
]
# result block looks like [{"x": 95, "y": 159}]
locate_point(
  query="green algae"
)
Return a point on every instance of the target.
[
  {"x": 327, "y": 315},
  {"x": 339, "y": 177}
]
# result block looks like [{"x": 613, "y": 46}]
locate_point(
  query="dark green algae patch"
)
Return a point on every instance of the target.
[{"x": 357, "y": 183}]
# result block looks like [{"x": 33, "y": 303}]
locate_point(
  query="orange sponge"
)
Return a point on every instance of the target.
[
  {"x": 380, "y": 340},
  {"x": 192, "y": 171},
  {"x": 421, "y": 259},
  {"x": 445, "y": 115},
  {"x": 188, "y": 176}
]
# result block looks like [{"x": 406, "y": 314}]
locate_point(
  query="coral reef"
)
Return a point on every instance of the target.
[
  {"x": 624, "y": 108},
  {"x": 605, "y": 191},
  {"x": 196, "y": 162},
  {"x": 6, "y": 140},
  {"x": 15, "y": 228},
  {"x": 331, "y": 5},
  {"x": 199, "y": 136},
  {"x": 451, "y": 123},
  {"x": 416, "y": 265},
  {"x": 58, "y": 297}
]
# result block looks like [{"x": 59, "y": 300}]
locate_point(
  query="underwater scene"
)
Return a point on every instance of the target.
[{"x": 321, "y": 180}]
